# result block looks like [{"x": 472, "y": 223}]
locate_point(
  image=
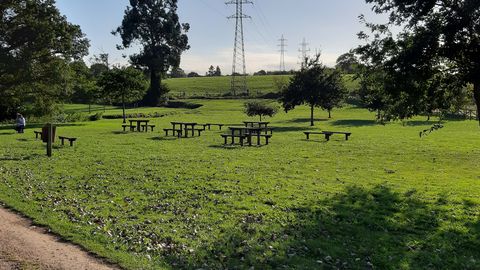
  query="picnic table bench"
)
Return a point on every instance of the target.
[
  {"x": 327, "y": 134},
  {"x": 212, "y": 124},
  {"x": 146, "y": 126},
  {"x": 37, "y": 133},
  {"x": 70, "y": 139},
  {"x": 246, "y": 133},
  {"x": 178, "y": 131}
]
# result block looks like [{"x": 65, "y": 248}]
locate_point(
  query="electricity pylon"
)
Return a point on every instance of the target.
[
  {"x": 239, "y": 69},
  {"x": 282, "y": 46}
]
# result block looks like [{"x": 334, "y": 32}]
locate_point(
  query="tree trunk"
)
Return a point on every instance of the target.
[
  {"x": 260, "y": 118},
  {"x": 123, "y": 107},
  {"x": 329, "y": 114},
  {"x": 476, "y": 96},
  {"x": 154, "y": 93},
  {"x": 311, "y": 115}
]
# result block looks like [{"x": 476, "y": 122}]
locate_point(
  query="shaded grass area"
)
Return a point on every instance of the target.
[{"x": 385, "y": 199}]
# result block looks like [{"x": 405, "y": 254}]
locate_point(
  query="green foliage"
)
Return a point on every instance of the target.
[
  {"x": 123, "y": 85},
  {"x": 257, "y": 108},
  {"x": 347, "y": 62},
  {"x": 314, "y": 85},
  {"x": 36, "y": 44},
  {"x": 432, "y": 59},
  {"x": 96, "y": 117},
  {"x": 155, "y": 26}
]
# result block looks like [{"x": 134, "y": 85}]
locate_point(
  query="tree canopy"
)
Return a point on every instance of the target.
[
  {"x": 123, "y": 85},
  {"x": 257, "y": 108},
  {"x": 434, "y": 57},
  {"x": 36, "y": 44},
  {"x": 314, "y": 85},
  {"x": 154, "y": 24}
]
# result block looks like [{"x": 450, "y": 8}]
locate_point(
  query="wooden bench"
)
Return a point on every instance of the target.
[
  {"x": 199, "y": 130},
  {"x": 151, "y": 127},
  {"x": 70, "y": 139},
  {"x": 327, "y": 134},
  {"x": 37, "y": 133},
  {"x": 210, "y": 124},
  {"x": 178, "y": 131},
  {"x": 266, "y": 136},
  {"x": 241, "y": 137}
]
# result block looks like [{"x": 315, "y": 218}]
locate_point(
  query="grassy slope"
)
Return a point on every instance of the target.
[
  {"x": 214, "y": 86},
  {"x": 384, "y": 198}
]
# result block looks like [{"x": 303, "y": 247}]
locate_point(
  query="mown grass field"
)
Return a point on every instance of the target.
[
  {"x": 385, "y": 199},
  {"x": 218, "y": 86}
]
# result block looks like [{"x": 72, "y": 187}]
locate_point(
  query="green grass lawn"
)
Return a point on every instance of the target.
[
  {"x": 217, "y": 86},
  {"x": 385, "y": 199}
]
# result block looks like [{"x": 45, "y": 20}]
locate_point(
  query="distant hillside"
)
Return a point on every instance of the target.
[{"x": 218, "y": 86}]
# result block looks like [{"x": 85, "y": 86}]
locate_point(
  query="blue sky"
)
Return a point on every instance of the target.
[{"x": 327, "y": 25}]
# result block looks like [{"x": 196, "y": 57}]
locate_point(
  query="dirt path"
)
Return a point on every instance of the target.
[{"x": 23, "y": 246}]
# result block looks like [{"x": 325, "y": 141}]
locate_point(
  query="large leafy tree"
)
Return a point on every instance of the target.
[
  {"x": 433, "y": 58},
  {"x": 314, "y": 85},
  {"x": 36, "y": 44},
  {"x": 123, "y": 85},
  {"x": 154, "y": 24}
]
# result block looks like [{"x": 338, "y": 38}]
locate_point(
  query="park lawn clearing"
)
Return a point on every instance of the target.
[
  {"x": 219, "y": 86},
  {"x": 385, "y": 199}
]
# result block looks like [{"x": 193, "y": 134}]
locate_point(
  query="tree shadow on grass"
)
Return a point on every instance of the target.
[
  {"x": 354, "y": 123},
  {"x": 355, "y": 229}
]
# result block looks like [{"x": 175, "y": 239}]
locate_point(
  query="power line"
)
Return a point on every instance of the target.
[
  {"x": 239, "y": 80},
  {"x": 282, "y": 46}
]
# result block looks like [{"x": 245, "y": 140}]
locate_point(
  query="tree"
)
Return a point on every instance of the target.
[
  {"x": 256, "y": 108},
  {"x": 210, "y": 72},
  {"x": 36, "y": 44},
  {"x": 154, "y": 24},
  {"x": 440, "y": 42},
  {"x": 193, "y": 75},
  {"x": 123, "y": 85},
  {"x": 347, "y": 62},
  {"x": 314, "y": 85},
  {"x": 218, "y": 71},
  {"x": 84, "y": 87},
  {"x": 177, "y": 73},
  {"x": 260, "y": 73}
]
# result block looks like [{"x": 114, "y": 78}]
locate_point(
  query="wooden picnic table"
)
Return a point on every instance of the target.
[
  {"x": 256, "y": 124},
  {"x": 184, "y": 126},
  {"x": 248, "y": 133},
  {"x": 139, "y": 123}
]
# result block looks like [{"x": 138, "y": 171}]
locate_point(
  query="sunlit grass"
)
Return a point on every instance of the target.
[{"x": 386, "y": 198}]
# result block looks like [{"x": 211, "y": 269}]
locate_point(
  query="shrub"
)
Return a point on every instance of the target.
[
  {"x": 255, "y": 108},
  {"x": 96, "y": 117}
]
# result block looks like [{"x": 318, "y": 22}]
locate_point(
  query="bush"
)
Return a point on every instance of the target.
[
  {"x": 96, "y": 117},
  {"x": 255, "y": 108},
  {"x": 180, "y": 104}
]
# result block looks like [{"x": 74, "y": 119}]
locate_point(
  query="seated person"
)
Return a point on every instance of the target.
[{"x": 20, "y": 123}]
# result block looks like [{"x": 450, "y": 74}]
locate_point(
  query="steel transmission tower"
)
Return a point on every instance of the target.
[
  {"x": 239, "y": 70},
  {"x": 303, "y": 52},
  {"x": 282, "y": 46}
]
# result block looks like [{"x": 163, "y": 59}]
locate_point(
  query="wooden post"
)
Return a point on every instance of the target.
[{"x": 49, "y": 139}]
